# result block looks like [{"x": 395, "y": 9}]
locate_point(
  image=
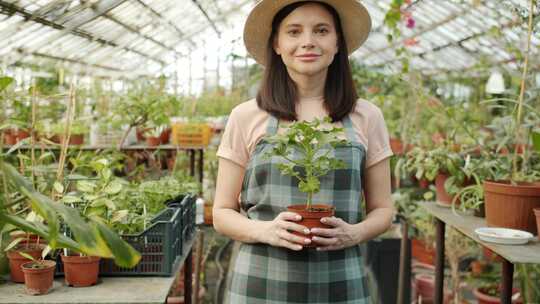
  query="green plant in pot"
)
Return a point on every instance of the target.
[
  {"x": 305, "y": 151},
  {"x": 38, "y": 273},
  {"x": 439, "y": 165},
  {"x": 510, "y": 203},
  {"x": 88, "y": 236}
]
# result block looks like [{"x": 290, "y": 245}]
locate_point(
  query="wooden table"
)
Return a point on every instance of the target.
[
  {"x": 191, "y": 150},
  {"x": 109, "y": 290},
  {"x": 466, "y": 224}
]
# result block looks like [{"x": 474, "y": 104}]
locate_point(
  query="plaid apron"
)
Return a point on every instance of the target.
[{"x": 260, "y": 273}]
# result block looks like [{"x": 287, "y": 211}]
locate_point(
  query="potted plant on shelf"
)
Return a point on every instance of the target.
[
  {"x": 440, "y": 165},
  {"x": 153, "y": 136},
  {"x": 38, "y": 274},
  {"x": 18, "y": 253},
  {"x": 305, "y": 149},
  {"x": 509, "y": 202}
]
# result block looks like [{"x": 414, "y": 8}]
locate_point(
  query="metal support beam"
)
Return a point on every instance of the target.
[
  {"x": 459, "y": 43},
  {"x": 433, "y": 26},
  {"x": 24, "y": 52},
  {"x": 138, "y": 33},
  {"x": 162, "y": 18},
  {"x": 207, "y": 17},
  {"x": 221, "y": 17},
  {"x": 103, "y": 7}
]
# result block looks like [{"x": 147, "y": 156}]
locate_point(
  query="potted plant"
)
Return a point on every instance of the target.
[
  {"x": 38, "y": 274},
  {"x": 18, "y": 253},
  {"x": 153, "y": 136},
  {"x": 80, "y": 270},
  {"x": 312, "y": 144},
  {"x": 509, "y": 203},
  {"x": 439, "y": 165}
]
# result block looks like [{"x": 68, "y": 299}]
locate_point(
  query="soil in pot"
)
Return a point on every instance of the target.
[
  {"x": 16, "y": 260},
  {"x": 81, "y": 271},
  {"x": 38, "y": 276},
  {"x": 491, "y": 295},
  {"x": 511, "y": 206},
  {"x": 312, "y": 218}
]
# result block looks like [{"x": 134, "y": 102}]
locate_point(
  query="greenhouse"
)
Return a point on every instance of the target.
[{"x": 270, "y": 151}]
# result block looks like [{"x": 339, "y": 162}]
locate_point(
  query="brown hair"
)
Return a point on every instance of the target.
[{"x": 278, "y": 93}]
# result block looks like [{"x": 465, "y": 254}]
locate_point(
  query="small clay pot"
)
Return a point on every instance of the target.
[
  {"x": 38, "y": 280},
  {"x": 81, "y": 271},
  {"x": 16, "y": 260},
  {"x": 153, "y": 141},
  {"x": 311, "y": 218}
]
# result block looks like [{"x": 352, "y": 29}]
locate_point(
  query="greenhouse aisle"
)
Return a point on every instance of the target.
[{"x": 270, "y": 151}]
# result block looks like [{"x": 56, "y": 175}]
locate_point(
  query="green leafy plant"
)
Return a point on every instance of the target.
[
  {"x": 314, "y": 144},
  {"x": 89, "y": 237}
]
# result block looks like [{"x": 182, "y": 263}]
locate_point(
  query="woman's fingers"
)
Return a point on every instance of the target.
[
  {"x": 325, "y": 241},
  {"x": 284, "y": 235}
]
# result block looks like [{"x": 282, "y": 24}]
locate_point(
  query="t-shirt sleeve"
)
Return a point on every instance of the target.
[
  {"x": 233, "y": 144},
  {"x": 378, "y": 139}
]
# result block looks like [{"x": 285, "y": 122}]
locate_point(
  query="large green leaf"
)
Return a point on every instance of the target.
[{"x": 124, "y": 254}]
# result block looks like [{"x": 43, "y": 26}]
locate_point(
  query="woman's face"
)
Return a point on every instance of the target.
[{"x": 307, "y": 40}]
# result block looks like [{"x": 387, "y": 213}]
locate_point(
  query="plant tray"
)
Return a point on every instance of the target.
[
  {"x": 160, "y": 245},
  {"x": 191, "y": 134}
]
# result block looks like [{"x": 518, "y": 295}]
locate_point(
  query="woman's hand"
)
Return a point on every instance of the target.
[
  {"x": 276, "y": 232},
  {"x": 341, "y": 235}
]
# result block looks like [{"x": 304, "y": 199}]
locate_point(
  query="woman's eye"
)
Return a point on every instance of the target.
[
  {"x": 322, "y": 31},
  {"x": 293, "y": 32}
]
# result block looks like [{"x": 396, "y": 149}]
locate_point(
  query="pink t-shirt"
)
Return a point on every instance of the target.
[{"x": 247, "y": 126}]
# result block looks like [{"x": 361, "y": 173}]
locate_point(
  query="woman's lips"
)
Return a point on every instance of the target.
[{"x": 308, "y": 57}]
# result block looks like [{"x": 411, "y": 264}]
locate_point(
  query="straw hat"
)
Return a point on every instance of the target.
[{"x": 355, "y": 22}]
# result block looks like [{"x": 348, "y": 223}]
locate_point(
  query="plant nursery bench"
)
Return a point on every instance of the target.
[
  {"x": 109, "y": 290},
  {"x": 466, "y": 224}
]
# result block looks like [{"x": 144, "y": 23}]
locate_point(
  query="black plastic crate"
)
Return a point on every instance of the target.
[{"x": 160, "y": 246}]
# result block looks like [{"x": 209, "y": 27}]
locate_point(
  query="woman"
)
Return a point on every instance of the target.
[{"x": 304, "y": 46}]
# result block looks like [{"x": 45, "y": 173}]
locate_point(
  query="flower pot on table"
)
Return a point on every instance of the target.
[{"x": 38, "y": 277}]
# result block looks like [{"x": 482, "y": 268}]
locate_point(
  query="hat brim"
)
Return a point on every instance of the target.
[{"x": 355, "y": 22}]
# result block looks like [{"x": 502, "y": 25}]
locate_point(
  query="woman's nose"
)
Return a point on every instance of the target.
[{"x": 307, "y": 41}]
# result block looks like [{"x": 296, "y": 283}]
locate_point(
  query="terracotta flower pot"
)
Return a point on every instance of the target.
[
  {"x": 423, "y": 183},
  {"x": 312, "y": 218},
  {"x": 28, "y": 238},
  {"x": 76, "y": 139},
  {"x": 484, "y": 298},
  {"x": 165, "y": 136},
  {"x": 153, "y": 141},
  {"x": 511, "y": 206},
  {"x": 396, "y": 145},
  {"x": 10, "y": 138},
  {"x": 422, "y": 253},
  {"x": 16, "y": 260},
  {"x": 208, "y": 206},
  {"x": 81, "y": 271},
  {"x": 38, "y": 280},
  {"x": 442, "y": 196},
  {"x": 22, "y": 134}
]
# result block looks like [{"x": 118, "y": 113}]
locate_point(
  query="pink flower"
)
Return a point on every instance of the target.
[{"x": 410, "y": 23}]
